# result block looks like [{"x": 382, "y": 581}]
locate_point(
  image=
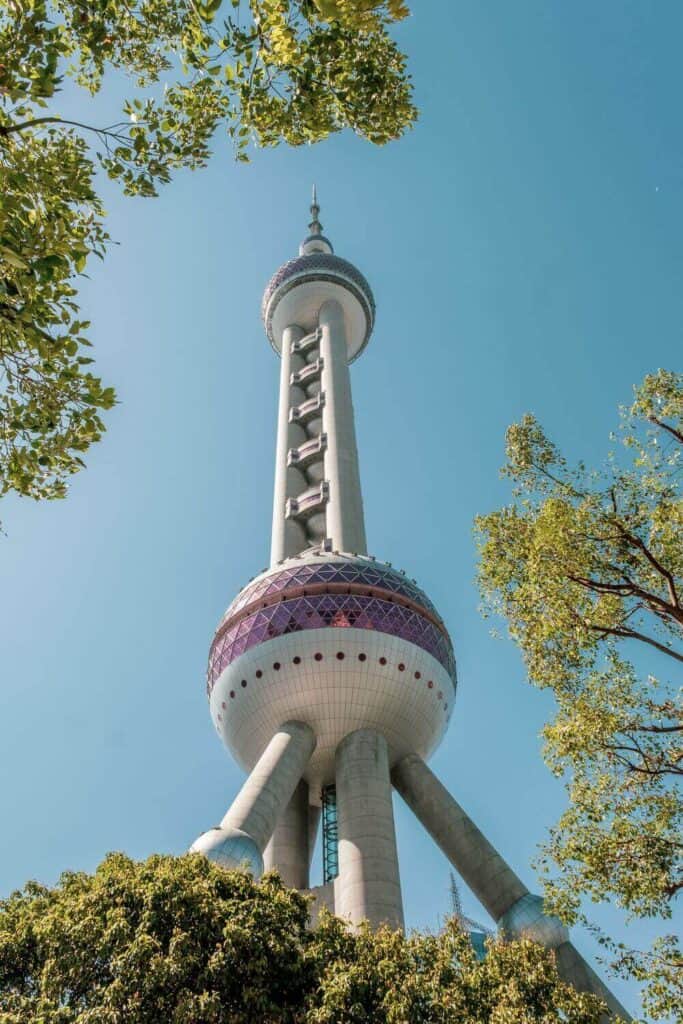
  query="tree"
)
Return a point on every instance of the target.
[
  {"x": 587, "y": 569},
  {"x": 262, "y": 71},
  {"x": 179, "y": 940}
]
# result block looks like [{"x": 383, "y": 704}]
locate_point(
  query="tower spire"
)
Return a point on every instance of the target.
[
  {"x": 315, "y": 227},
  {"x": 315, "y": 241}
]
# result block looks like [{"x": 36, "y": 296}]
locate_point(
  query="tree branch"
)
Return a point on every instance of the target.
[
  {"x": 632, "y": 634},
  {"x": 8, "y": 129},
  {"x": 629, "y": 589},
  {"x": 665, "y": 426},
  {"x": 641, "y": 546}
]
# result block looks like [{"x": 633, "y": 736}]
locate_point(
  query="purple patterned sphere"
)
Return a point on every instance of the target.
[{"x": 341, "y": 642}]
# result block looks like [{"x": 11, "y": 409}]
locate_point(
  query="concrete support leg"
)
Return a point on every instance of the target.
[
  {"x": 492, "y": 881},
  {"x": 574, "y": 969},
  {"x": 368, "y": 887},
  {"x": 518, "y": 913},
  {"x": 287, "y": 851},
  {"x": 246, "y": 829}
]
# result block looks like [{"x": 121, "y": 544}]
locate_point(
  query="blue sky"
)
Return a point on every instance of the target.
[{"x": 523, "y": 244}]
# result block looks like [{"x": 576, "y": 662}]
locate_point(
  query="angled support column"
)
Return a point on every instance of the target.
[
  {"x": 517, "y": 912},
  {"x": 368, "y": 887},
  {"x": 245, "y": 830},
  {"x": 288, "y": 849},
  {"x": 492, "y": 881}
]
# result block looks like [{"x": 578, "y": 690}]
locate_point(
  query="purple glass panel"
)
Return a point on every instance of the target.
[
  {"x": 320, "y": 610},
  {"x": 375, "y": 575}
]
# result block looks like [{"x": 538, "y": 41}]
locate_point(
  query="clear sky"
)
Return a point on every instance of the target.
[{"x": 524, "y": 247}]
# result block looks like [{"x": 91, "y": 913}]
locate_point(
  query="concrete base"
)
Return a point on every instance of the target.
[{"x": 323, "y": 898}]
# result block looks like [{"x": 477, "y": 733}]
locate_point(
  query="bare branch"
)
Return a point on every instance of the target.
[
  {"x": 632, "y": 634},
  {"x": 665, "y": 426}
]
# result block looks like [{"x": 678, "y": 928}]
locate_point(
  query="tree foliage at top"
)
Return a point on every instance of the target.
[
  {"x": 179, "y": 940},
  {"x": 257, "y": 71},
  {"x": 586, "y": 566}
]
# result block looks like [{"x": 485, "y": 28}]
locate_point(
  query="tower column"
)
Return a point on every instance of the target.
[
  {"x": 288, "y": 849},
  {"x": 345, "y": 522},
  {"x": 262, "y": 799},
  {"x": 518, "y": 913},
  {"x": 492, "y": 881},
  {"x": 368, "y": 887},
  {"x": 287, "y": 535},
  {"x": 244, "y": 832}
]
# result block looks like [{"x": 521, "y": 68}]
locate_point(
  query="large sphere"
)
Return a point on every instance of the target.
[
  {"x": 298, "y": 289},
  {"x": 341, "y": 642}
]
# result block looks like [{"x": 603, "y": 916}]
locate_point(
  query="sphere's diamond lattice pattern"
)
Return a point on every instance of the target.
[
  {"x": 318, "y": 262},
  {"x": 319, "y": 611},
  {"x": 372, "y": 575}
]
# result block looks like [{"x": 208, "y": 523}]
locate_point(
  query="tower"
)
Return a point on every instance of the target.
[{"x": 331, "y": 676}]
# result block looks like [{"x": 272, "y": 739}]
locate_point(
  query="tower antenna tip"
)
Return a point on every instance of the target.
[{"x": 315, "y": 227}]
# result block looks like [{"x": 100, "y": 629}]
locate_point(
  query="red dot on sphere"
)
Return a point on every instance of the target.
[
  {"x": 418, "y": 675},
  {"x": 259, "y": 673},
  {"x": 296, "y": 659},
  {"x": 430, "y": 684},
  {"x": 222, "y": 703},
  {"x": 340, "y": 655},
  {"x": 318, "y": 656},
  {"x": 382, "y": 661},
  {"x": 276, "y": 666},
  {"x": 244, "y": 682},
  {"x": 401, "y": 667},
  {"x": 232, "y": 694},
  {"x": 362, "y": 657}
]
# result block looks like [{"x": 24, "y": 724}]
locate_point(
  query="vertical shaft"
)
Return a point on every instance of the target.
[
  {"x": 264, "y": 796},
  {"x": 287, "y": 852},
  {"x": 368, "y": 886},
  {"x": 313, "y": 825},
  {"x": 288, "y": 535},
  {"x": 345, "y": 522}
]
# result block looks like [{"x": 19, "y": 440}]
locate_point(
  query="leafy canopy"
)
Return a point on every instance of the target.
[
  {"x": 260, "y": 71},
  {"x": 180, "y": 940},
  {"x": 586, "y": 566}
]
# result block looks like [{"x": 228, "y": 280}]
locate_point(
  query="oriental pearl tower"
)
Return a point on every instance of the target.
[{"x": 331, "y": 676}]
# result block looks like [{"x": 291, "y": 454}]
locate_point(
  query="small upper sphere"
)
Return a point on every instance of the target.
[{"x": 299, "y": 288}]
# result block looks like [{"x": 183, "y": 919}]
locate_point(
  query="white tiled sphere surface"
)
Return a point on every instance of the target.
[{"x": 334, "y": 696}]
